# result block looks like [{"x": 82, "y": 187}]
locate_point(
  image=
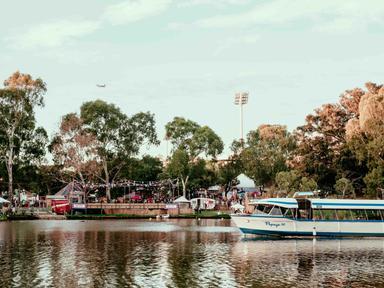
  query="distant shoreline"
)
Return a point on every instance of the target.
[{"x": 204, "y": 215}]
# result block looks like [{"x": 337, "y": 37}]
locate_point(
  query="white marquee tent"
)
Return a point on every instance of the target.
[
  {"x": 181, "y": 199},
  {"x": 245, "y": 182}
]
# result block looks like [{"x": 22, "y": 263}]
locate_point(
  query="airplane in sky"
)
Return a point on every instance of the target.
[{"x": 101, "y": 85}]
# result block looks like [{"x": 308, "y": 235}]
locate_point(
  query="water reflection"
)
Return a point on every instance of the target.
[
  {"x": 307, "y": 263},
  {"x": 184, "y": 253}
]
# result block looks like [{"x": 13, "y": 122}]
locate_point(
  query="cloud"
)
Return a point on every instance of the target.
[
  {"x": 56, "y": 33},
  {"x": 176, "y": 25},
  {"x": 134, "y": 10},
  {"x": 220, "y": 3},
  {"x": 317, "y": 13},
  {"x": 53, "y": 34},
  {"x": 339, "y": 25},
  {"x": 247, "y": 39}
]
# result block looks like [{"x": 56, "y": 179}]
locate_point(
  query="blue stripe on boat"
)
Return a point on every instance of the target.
[
  {"x": 345, "y": 204},
  {"x": 304, "y": 220},
  {"x": 302, "y": 233},
  {"x": 323, "y": 203}
]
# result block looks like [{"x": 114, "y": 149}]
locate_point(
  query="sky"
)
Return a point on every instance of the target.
[{"x": 189, "y": 57}]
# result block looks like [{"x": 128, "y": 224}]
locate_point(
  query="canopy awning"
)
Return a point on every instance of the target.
[
  {"x": 245, "y": 182},
  {"x": 181, "y": 199},
  {"x": 2, "y": 200}
]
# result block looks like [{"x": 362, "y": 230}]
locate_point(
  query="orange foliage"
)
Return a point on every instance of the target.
[
  {"x": 272, "y": 132},
  {"x": 371, "y": 107}
]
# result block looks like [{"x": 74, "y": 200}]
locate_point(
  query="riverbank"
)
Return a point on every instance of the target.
[
  {"x": 202, "y": 215},
  {"x": 21, "y": 217}
]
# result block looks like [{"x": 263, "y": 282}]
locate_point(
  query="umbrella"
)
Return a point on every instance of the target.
[{"x": 2, "y": 200}]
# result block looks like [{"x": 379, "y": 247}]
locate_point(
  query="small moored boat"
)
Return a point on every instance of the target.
[{"x": 313, "y": 217}]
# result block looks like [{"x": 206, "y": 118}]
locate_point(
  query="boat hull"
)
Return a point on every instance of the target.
[{"x": 286, "y": 227}]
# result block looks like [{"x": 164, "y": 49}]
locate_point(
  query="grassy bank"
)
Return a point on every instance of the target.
[
  {"x": 22, "y": 217},
  {"x": 110, "y": 216},
  {"x": 202, "y": 215}
]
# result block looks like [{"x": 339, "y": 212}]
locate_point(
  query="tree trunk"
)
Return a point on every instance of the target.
[
  {"x": 108, "y": 188},
  {"x": 184, "y": 183},
  {"x": 9, "y": 165},
  {"x": 10, "y": 180},
  {"x": 82, "y": 178}
]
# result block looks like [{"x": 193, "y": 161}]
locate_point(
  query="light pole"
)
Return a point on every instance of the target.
[{"x": 241, "y": 98}]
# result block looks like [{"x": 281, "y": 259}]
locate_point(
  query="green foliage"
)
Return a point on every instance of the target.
[
  {"x": 147, "y": 168},
  {"x": 266, "y": 153},
  {"x": 307, "y": 184},
  {"x": 117, "y": 133},
  {"x": 119, "y": 136},
  {"x": 189, "y": 142},
  {"x": 320, "y": 141},
  {"x": 291, "y": 181},
  {"x": 180, "y": 130},
  {"x": 194, "y": 139},
  {"x": 228, "y": 171},
  {"x": 75, "y": 149},
  {"x": 19, "y": 140},
  {"x": 179, "y": 164},
  {"x": 338, "y": 149},
  {"x": 375, "y": 182},
  {"x": 344, "y": 187},
  {"x": 201, "y": 176},
  {"x": 288, "y": 181}
]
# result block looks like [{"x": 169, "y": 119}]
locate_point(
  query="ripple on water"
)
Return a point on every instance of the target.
[{"x": 177, "y": 254}]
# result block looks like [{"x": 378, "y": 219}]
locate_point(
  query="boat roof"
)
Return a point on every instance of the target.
[
  {"x": 347, "y": 204},
  {"x": 283, "y": 202},
  {"x": 304, "y": 193},
  {"x": 324, "y": 203}
]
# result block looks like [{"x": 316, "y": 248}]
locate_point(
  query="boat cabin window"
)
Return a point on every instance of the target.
[
  {"x": 328, "y": 214},
  {"x": 374, "y": 215},
  {"x": 359, "y": 214},
  {"x": 276, "y": 211},
  {"x": 259, "y": 209},
  {"x": 317, "y": 215},
  {"x": 343, "y": 214},
  {"x": 288, "y": 213},
  {"x": 347, "y": 214}
]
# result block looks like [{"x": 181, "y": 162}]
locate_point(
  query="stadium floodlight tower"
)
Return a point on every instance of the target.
[{"x": 241, "y": 98}]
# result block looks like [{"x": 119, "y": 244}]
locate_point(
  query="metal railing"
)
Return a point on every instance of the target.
[{"x": 149, "y": 206}]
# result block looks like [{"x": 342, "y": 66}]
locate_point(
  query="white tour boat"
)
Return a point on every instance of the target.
[{"x": 313, "y": 217}]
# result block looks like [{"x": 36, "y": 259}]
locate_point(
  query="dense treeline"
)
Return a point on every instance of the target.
[{"x": 338, "y": 150}]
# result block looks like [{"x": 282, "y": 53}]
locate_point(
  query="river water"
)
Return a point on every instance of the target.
[{"x": 177, "y": 253}]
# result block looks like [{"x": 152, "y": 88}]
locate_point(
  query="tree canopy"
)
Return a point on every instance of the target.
[
  {"x": 20, "y": 140},
  {"x": 190, "y": 141},
  {"x": 338, "y": 148},
  {"x": 266, "y": 152},
  {"x": 118, "y": 136}
]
